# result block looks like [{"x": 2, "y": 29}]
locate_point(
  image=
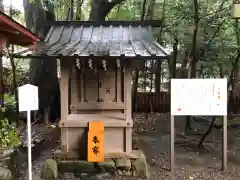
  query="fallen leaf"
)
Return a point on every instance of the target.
[{"x": 52, "y": 126}]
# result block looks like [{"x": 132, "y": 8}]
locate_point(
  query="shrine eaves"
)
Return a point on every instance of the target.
[{"x": 100, "y": 39}]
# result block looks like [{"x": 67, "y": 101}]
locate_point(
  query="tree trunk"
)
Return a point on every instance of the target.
[
  {"x": 43, "y": 72},
  {"x": 200, "y": 144},
  {"x": 70, "y": 12},
  {"x": 221, "y": 73},
  {"x": 134, "y": 89},
  {"x": 235, "y": 76},
  {"x": 1, "y": 81},
  {"x": 158, "y": 71},
  {"x": 236, "y": 68},
  {"x": 145, "y": 75},
  {"x": 143, "y": 10},
  {"x": 101, "y": 8},
  {"x": 172, "y": 62},
  {"x": 158, "y": 77},
  {"x": 193, "y": 56},
  {"x": 79, "y": 10},
  {"x": 14, "y": 83},
  {"x": 150, "y": 12},
  {"x": 150, "y": 98},
  {"x": 1, "y": 6},
  {"x": 174, "y": 58},
  {"x": 135, "y": 81},
  {"x": 1, "y": 65},
  {"x": 194, "y": 41}
]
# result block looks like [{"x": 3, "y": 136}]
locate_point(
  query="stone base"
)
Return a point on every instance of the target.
[
  {"x": 132, "y": 164},
  {"x": 5, "y": 174}
]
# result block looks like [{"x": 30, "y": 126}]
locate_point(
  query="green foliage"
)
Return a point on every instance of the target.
[
  {"x": 21, "y": 78},
  {"x": 8, "y": 130},
  {"x": 9, "y": 134},
  {"x": 217, "y": 31},
  {"x": 10, "y": 107},
  {"x": 128, "y": 10}
]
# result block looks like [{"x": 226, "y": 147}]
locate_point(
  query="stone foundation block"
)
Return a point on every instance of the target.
[
  {"x": 107, "y": 166},
  {"x": 5, "y": 174},
  {"x": 140, "y": 167},
  {"x": 76, "y": 166},
  {"x": 135, "y": 154},
  {"x": 126, "y": 173},
  {"x": 135, "y": 143},
  {"x": 123, "y": 164},
  {"x": 50, "y": 170}
]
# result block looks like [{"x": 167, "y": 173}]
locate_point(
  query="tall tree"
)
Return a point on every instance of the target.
[
  {"x": 43, "y": 72},
  {"x": 1, "y": 5},
  {"x": 101, "y": 8},
  {"x": 1, "y": 67},
  {"x": 160, "y": 40}
]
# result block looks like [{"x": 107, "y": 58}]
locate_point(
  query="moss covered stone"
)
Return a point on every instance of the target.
[
  {"x": 5, "y": 174},
  {"x": 123, "y": 164},
  {"x": 76, "y": 166},
  {"x": 108, "y": 165},
  {"x": 135, "y": 143},
  {"x": 50, "y": 170},
  {"x": 140, "y": 167}
]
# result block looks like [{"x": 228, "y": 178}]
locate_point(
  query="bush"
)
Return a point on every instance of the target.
[
  {"x": 9, "y": 134},
  {"x": 10, "y": 111}
]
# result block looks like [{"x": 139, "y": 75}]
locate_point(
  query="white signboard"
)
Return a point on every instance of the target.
[
  {"x": 203, "y": 97},
  {"x": 28, "y": 100},
  {"x": 28, "y": 97}
]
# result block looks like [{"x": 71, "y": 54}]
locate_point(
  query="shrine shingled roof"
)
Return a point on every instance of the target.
[
  {"x": 16, "y": 33},
  {"x": 118, "y": 39}
]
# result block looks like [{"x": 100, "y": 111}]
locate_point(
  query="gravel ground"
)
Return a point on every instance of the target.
[{"x": 191, "y": 164}]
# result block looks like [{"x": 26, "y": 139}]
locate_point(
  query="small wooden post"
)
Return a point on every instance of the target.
[
  {"x": 172, "y": 141},
  {"x": 128, "y": 111},
  {"x": 224, "y": 144},
  {"x": 64, "y": 81}
]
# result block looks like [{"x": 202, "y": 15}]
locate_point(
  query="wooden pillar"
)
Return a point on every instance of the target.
[
  {"x": 74, "y": 85},
  {"x": 128, "y": 111},
  {"x": 64, "y": 78},
  {"x": 3, "y": 41},
  {"x": 119, "y": 85},
  {"x": 82, "y": 86},
  {"x": 1, "y": 80}
]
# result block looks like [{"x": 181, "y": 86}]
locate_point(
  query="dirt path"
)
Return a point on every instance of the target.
[
  {"x": 190, "y": 164},
  {"x": 41, "y": 153}
]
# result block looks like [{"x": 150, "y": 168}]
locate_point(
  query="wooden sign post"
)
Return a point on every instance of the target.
[
  {"x": 28, "y": 100},
  {"x": 199, "y": 97}
]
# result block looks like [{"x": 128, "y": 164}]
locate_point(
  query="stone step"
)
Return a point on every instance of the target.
[{"x": 132, "y": 164}]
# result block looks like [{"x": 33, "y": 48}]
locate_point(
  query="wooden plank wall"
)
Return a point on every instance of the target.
[
  {"x": 152, "y": 102},
  {"x": 161, "y": 103}
]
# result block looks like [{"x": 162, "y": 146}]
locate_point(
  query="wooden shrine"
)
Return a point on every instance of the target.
[
  {"x": 97, "y": 59},
  {"x": 11, "y": 32}
]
